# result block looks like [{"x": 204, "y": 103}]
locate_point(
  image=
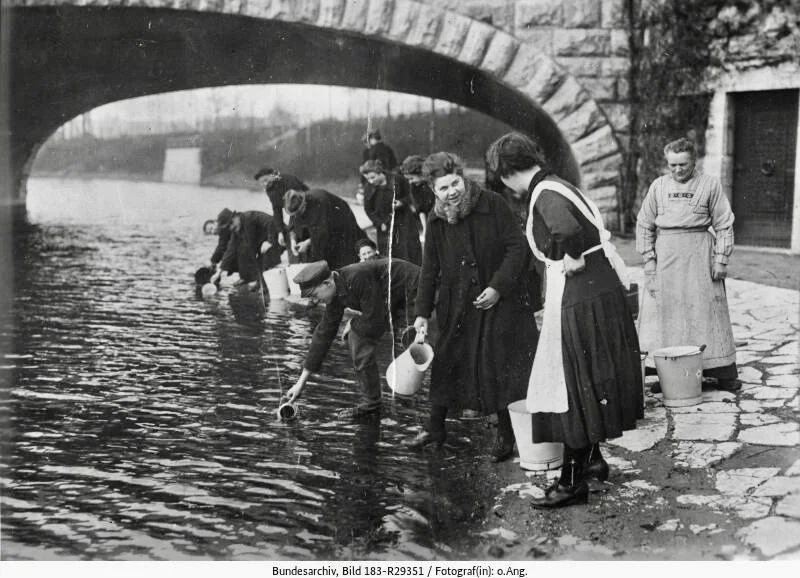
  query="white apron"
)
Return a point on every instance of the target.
[{"x": 547, "y": 386}]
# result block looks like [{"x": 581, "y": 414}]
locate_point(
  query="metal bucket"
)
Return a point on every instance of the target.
[
  {"x": 537, "y": 457},
  {"x": 680, "y": 372},
  {"x": 277, "y": 283},
  {"x": 405, "y": 374}
]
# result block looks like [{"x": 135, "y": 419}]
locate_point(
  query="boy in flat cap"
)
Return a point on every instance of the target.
[
  {"x": 370, "y": 288},
  {"x": 276, "y": 185}
]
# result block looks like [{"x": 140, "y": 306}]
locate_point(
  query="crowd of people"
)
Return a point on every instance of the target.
[{"x": 467, "y": 267}]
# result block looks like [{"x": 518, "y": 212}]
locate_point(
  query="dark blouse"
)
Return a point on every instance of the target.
[{"x": 559, "y": 227}]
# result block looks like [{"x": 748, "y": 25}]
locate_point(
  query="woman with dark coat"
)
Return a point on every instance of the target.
[
  {"x": 586, "y": 380},
  {"x": 474, "y": 257},
  {"x": 388, "y": 195},
  {"x": 322, "y": 227}
]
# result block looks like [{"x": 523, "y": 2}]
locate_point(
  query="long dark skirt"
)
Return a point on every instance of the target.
[{"x": 602, "y": 367}]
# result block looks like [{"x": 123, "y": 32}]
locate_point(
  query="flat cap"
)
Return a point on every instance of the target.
[{"x": 312, "y": 275}]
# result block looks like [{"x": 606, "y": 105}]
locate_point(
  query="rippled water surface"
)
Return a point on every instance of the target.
[{"x": 141, "y": 420}]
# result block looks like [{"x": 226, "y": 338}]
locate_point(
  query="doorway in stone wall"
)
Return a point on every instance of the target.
[{"x": 765, "y": 140}]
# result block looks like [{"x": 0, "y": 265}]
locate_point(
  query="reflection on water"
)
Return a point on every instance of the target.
[{"x": 142, "y": 420}]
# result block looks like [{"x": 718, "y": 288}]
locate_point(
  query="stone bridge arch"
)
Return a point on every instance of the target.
[{"x": 67, "y": 57}]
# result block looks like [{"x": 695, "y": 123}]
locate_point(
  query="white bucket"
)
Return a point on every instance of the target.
[
  {"x": 291, "y": 272},
  {"x": 208, "y": 290},
  {"x": 405, "y": 374},
  {"x": 680, "y": 373},
  {"x": 277, "y": 284},
  {"x": 539, "y": 457}
]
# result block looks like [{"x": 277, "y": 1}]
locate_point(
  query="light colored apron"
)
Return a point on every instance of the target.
[{"x": 547, "y": 386}]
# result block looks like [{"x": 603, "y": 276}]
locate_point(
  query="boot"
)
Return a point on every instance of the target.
[
  {"x": 596, "y": 467},
  {"x": 435, "y": 433},
  {"x": 504, "y": 442},
  {"x": 570, "y": 488},
  {"x": 426, "y": 438}
]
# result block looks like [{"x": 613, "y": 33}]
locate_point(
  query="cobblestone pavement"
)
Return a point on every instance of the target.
[{"x": 716, "y": 480}]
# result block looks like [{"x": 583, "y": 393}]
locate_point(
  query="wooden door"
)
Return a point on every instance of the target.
[{"x": 765, "y": 135}]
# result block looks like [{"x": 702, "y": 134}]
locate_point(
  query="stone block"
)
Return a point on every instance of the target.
[
  {"x": 613, "y": 14},
  {"x": 596, "y": 145},
  {"x": 539, "y": 37},
  {"x": 600, "y": 89},
  {"x": 619, "y": 43},
  {"x": 606, "y": 164},
  {"x": 705, "y": 427},
  {"x": 569, "y": 97},
  {"x": 580, "y": 122},
  {"x": 379, "y": 17},
  {"x": 425, "y": 31},
  {"x": 623, "y": 89},
  {"x": 499, "y": 13},
  {"x": 772, "y": 535},
  {"x": 789, "y": 506},
  {"x": 583, "y": 65},
  {"x": 781, "y": 434},
  {"x": 777, "y": 487},
  {"x": 453, "y": 34},
  {"x": 475, "y": 45},
  {"x": 527, "y": 61},
  {"x": 538, "y": 13},
  {"x": 619, "y": 115},
  {"x": 601, "y": 179},
  {"x": 404, "y": 18},
  {"x": 500, "y": 53},
  {"x": 618, "y": 66},
  {"x": 582, "y": 42},
  {"x": 604, "y": 197},
  {"x": 355, "y": 16},
  {"x": 581, "y": 13},
  {"x": 330, "y": 13},
  {"x": 545, "y": 81}
]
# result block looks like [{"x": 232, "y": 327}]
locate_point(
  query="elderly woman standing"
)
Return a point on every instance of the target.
[
  {"x": 474, "y": 257},
  {"x": 586, "y": 382}
]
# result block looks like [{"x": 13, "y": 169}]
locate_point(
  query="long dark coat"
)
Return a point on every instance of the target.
[
  {"x": 277, "y": 190},
  {"x": 483, "y": 358},
  {"x": 242, "y": 253},
  {"x": 332, "y": 227},
  {"x": 378, "y": 204}
]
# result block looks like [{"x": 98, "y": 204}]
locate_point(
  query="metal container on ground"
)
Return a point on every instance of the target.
[
  {"x": 680, "y": 373},
  {"x": 536, "y": 457}
]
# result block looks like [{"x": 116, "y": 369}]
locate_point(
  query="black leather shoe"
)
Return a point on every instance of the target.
[
  {"x": 596, "y": 470},
  {"x": 732, "y": 385},
  {"x": 559, "y": 496},
  {"x": 426, "y": 438},
  {"x": 502, "y": 450}
]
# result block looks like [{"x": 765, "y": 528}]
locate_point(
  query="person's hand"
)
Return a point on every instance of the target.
[
  {"x": 384, "y": 227},
  {"x": 295, "y": 252},
  {"x": 397, "y": 204},
  {"x": 487, "y": 299},
  {"x": 650, "y": 286},
  {"x": 573, "y": 266},
  {"x": 265, "y": 246},
  {"x": 421, "y": 327},
  {"x": 215, "y": 277},
  {"x": 346, "y": 331},
  {"x": 252, "y": 285},
  {"x": 719, "y": 272},
  {"x": 304, "y": 246},
  {"x": 293, "y": 392},
  {"x": 281, "y": 240}
]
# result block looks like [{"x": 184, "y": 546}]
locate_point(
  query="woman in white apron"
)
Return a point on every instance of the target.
[{"x": 586, "y": 383}]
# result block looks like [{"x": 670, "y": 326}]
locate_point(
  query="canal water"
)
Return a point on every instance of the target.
[{"x": 140, "y": 422}]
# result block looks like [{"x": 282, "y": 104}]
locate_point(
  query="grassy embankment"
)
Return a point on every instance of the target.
[{"x": 325, "y": 154}]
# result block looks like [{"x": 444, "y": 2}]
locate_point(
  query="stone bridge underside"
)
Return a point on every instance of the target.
[{"x": 66, "y": 58}]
